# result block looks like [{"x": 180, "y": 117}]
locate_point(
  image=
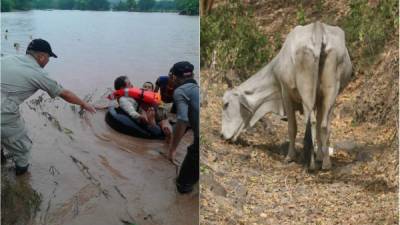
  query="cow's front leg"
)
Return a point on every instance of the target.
[
  {"x": 292, "y": 130},
  {"x": 292, "y": 138}
]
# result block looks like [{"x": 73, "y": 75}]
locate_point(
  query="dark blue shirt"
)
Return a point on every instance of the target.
[{"x": 186, "y": 98}]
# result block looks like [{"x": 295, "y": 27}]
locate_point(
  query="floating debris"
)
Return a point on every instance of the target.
[
  {"x": 124, "y": 222},
  {"x": 119, "y": 192},
  {"x": 53, "y": 170}
]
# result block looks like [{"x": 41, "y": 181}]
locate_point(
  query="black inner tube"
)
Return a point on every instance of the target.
[{"x": 120, "y": 121}]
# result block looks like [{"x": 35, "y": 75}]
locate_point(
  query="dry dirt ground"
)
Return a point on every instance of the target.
[{"x": 247, "y": 182}]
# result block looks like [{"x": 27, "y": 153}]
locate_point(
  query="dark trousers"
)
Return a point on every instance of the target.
[{"x": 189, "y": 173}]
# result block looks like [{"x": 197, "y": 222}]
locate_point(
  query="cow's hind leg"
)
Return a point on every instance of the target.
[
  {"x": 320, "y": 154},
  {"x": 306, "y": 83},
  {"x": 308, "y": 144},
  {"x": 312, "y": 121},
  {"x": 325, "y": 133},
  {"x": 329, "y": 88}
]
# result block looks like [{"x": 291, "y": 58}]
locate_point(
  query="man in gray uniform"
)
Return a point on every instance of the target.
[
  {"x": 21, "y": 77},
  {"x": 186, "y": 99}
]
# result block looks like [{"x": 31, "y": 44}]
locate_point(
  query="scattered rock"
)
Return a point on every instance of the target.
[
  {"x": 364, "y": 156},
  {"x": 213, "y": 185},
  {"x": 348, "y": 145}
]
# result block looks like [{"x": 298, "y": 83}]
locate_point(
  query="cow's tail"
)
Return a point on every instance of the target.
[{"x": 319, "y": 42}]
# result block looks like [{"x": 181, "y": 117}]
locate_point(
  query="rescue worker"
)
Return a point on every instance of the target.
[
  {"x": 186, "y": 99},
  {"x": 22, "y": 76}
]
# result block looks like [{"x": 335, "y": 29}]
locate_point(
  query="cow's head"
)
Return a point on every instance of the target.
[
  {"x": 242, "y": 109},
  {"x": 235, "y": 115}
]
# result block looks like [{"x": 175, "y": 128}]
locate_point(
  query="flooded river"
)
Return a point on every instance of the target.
[{"x": 86, "y": 172}]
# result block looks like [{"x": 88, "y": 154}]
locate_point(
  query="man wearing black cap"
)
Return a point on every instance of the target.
[
  {"x": 186, "y": 98},
  {"x": 21, "y": 77}
]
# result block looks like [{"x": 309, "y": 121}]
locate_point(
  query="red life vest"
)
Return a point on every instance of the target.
[{"x": 138, "y": 94}]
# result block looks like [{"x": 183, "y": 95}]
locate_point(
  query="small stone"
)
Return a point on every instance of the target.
[{"x": 348, "y": 145}]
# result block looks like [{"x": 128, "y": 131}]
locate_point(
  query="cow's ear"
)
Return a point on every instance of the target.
[
  {"x": 245, "y": 103},
  {"x": 248, "y": 92}
]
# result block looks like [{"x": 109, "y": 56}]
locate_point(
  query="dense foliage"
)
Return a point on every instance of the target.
[
  {"x": 186, "y": 6},
  {"x": 146, "y": 5},
  {"x": 129, "y": 5},
  {"x": 368, "y": 27},
  {"x": 230, "y": 40}
]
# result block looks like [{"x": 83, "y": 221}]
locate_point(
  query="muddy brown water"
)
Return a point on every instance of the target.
[{"x": 86, "y": 172}]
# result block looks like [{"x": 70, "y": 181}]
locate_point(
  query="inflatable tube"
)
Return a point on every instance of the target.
[
  {"x": 117, "y": 119},
  {"x": 138, "y": 94}
]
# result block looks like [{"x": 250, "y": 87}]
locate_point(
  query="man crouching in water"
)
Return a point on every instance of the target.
[
  {"x": 22, "y": 76},
  {"x": 186, "y": 98}
]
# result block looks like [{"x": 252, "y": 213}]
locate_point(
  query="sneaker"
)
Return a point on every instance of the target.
[
  {"x": 3, "y": 158},
  {"x": 21, "y": 170},
  {"x": 184, "y": 188}
]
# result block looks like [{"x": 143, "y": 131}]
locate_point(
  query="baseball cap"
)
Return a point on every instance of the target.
[
  {"x": 41, "y": 45},
  {"x": 182, "y": 69}
]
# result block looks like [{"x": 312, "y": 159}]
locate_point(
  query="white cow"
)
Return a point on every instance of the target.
[{"x": 306, "y": 75}]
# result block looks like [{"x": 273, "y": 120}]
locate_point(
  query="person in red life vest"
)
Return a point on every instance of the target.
[
  {"x": 160, "y": 113},
  {"x": 133, "y": 109},
  {"x": 148, "y": 86}
]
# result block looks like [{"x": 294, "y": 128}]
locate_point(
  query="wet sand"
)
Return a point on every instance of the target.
[{"x": 88, "y": 173}]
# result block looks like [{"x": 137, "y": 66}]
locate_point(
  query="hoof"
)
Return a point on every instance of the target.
[
  {"x": 288, "y": 159},
  {"x": 312, "y": 168},
  {"x": 326, "y": 164},
  {"x": 320, "y": 156}
]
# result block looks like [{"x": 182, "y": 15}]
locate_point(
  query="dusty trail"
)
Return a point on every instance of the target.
[{"x": 88, "y": 173}]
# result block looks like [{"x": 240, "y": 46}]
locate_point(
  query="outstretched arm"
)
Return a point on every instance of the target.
[{"x": 70, "y": 97}]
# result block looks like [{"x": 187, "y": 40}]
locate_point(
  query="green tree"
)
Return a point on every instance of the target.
[
  {"x": 121, "y": 6},
  {"x": 7, "y": 5},
  {"x": 165, "y": 6},
  {"x": 81, "y": 4},
  {"x": 43, "y": 4},
  {"x": 131, "y": 5},
  {"x": 146, "y": 5},
  {"x": 190, "y": 7},
  {"x": 23, "y": 4},
  {"x": 66, "y": 4},
  {"x": 98, "y": 5},
  {"x": 231, "y": 39}
]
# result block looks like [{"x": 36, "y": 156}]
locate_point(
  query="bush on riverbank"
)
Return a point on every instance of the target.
[{"x": 187, "y": 7}]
